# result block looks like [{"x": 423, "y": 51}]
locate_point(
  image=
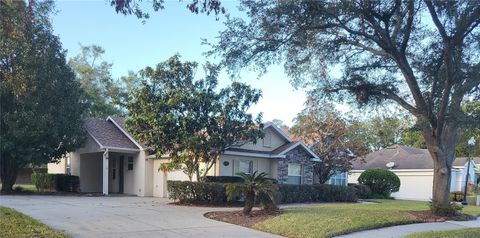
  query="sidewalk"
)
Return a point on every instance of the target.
[{"x": 403, "y": 230}]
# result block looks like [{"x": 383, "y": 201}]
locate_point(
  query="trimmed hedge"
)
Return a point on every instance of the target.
[
  {"x": 214, "y": 193},
  {"x": 363, "y": 191},
  {"x": 59, "y": 182},
  {"x": 196, "y": 192},
  {"x": 223, "y": 179},
  {"x": 67, "y": 183},
  {"x": 43, "y": 181},
  {"x": 316, "y": 193}
]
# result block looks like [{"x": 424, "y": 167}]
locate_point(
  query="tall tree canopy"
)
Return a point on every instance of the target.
[
  {"x": 134, "y": 7},
  {"x": 422, "y": 55},
  {"x": 41, "y": 105},
  {"x": 330, "y": 136},
  {"x": 381, "y": 131},
  {"x": 191, "y": 120},
  {"x": 104, "y": 95}
]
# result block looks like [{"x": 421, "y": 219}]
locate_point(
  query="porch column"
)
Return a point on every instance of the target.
[{"x": 105, "y": 173}]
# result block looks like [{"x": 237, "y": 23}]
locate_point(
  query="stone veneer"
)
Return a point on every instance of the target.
[{"x": 297, "y": 156}]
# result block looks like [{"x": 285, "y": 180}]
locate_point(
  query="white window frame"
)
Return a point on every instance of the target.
[
  {"x": 250, "y": 166},
  {"x": 338, "y": 179},
  {"x": 130, "y": 162},
  {"x": 300, "y": 175}
]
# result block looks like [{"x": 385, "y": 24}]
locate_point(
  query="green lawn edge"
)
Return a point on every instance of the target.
[
  {"x": 329, "y": 220},
  {"x": 16, "y": 224}
]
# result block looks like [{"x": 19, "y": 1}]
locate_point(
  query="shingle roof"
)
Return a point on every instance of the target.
[
  {"x": 403, "y": 157},
  {"x": 107, "y": 134},
  {"x": 276, "y": 152}
]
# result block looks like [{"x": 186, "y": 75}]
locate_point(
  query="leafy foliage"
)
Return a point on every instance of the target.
[
  {"x": 255, "y": 186},
  {"x": 133, "y": 7},
  {"x": 104, "y": 95},
  {"x": 421, "y": 55},
  {"x": 330, "y": 136},
  {"x": 291, "y": 193},
  {"x": 381, "y": 181},
  {"x": 196, "y": 192},
  {"x": 43, "y": 181},
  {"x": 190, "y": 120},
  {"x": 40, "y": 99}
]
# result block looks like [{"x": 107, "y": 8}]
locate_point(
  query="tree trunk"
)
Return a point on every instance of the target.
[
  {"x": 249, "y": 202},
  {"x": 442, "y": 151},
  {"x": 8, "y": 173}
]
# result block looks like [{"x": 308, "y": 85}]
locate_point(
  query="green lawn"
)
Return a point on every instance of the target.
[
  {"x": 24, "y": 187},
  {"x": 16, "y": 224},
  {"x": 335, "y": 219},
  {"x": 460, "y": 233}
]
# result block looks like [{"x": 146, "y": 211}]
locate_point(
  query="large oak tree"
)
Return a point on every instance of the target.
[
  {"x": 422, "y": 55},
  {"x": 40, "y": 100}
]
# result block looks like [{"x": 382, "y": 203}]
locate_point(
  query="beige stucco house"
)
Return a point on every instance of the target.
[
  {"x": 414, "y": 167},
  {"x": 112, "y": 161}
]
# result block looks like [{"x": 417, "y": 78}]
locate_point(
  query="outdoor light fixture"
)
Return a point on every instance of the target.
[{"x": 471, "y": 143}]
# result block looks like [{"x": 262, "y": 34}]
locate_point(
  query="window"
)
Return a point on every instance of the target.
[
  {"x": 245, "y": 166},
  {"x": 338, "y": 179},
  {"x": 114, "y": 168},
  {"x": 267, "y": 140},
  {"x": 130, "y": 163},
  {"x": 294, "y": 174}
]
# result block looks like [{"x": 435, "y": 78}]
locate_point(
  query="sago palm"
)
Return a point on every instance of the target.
[{"x": 254, "y": 185}]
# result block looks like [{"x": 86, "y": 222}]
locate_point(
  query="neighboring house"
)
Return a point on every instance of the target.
[
  {"x": 111, "y": 161},
  {"x": 414, "y": 167}
]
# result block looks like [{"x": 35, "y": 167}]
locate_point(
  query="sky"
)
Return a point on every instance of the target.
[{"x": 132, "y": 45}]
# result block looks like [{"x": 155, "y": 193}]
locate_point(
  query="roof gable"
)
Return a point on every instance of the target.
[{"x": 108, "y": 135}]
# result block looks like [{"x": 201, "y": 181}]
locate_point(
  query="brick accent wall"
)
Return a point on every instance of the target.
[{"x": 298, "y": 156}]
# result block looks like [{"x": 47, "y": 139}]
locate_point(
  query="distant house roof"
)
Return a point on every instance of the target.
[
  {"x": 403, "y": 157},
  {"x": 108, "y": 135}
]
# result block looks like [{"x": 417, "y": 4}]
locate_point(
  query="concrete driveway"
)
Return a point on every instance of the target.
[{"x": 124, "y": 217}]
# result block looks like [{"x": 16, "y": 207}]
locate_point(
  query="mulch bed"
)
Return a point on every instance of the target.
[
  {"x": 238, "y": 218},
  {"x": 199, "y": 204},
  {"x": 427, "y": 216}
]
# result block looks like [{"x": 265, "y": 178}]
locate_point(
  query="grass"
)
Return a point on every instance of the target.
[
  {"x": 24, "y": 187},
  {"x": 16, "y": 224},
  {"x": 336, "y": 219},
  {"x": 459, "y": 233}
]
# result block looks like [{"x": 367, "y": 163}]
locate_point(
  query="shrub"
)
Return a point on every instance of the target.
[
  {"x": 223, "y": 179},
  {"x": 196, "y": 192},
  {"x": 43, "y": 181},
  {"x": 381, "y": 181},
  {"x": 362, "y": 191},
  {"x": 316, "y": 193},
  {"x": 67, "y": 183}
]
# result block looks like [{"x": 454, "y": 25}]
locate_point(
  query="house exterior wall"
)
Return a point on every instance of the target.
[
  {"x": 57, "y": 168},
  {"x": 296, "y": 156},
  {"x": 270, "y": 135},
  {"x": 259, "y": 164},
  {"x": 91, "y": 173}
]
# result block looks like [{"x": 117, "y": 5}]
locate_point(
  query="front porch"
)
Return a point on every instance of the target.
[{"x": 108, "y": 172}]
